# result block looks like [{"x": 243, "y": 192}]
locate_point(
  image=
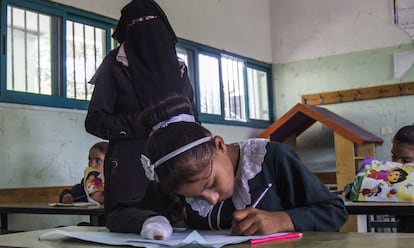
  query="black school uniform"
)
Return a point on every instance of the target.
[{"x": 77, "y": 191}]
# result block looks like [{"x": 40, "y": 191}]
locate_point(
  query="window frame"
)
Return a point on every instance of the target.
[
  {"x": 59, "y": 81},
  {"x": 58, "y": 46},
  {"x": 195, "y": 49}
]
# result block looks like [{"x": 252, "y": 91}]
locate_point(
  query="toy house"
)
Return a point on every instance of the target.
[{"x": 352, "y": 143}]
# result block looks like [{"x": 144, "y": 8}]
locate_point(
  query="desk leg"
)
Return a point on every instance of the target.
[
  {"x": 4, "y": 224},
  {"x": 94, "y": 219},
  {"x": 362, "y": 223},
  {"x": 97, "y": 220}
]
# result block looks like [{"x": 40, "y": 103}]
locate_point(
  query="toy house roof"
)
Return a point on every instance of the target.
[{"x": 302, "y": 116}]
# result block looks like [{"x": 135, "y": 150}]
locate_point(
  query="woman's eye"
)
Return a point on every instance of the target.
[{"x": 141, "y": 19}]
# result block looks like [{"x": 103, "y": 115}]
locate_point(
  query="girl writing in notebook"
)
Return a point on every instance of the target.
[{"x": 200, "y": 181}]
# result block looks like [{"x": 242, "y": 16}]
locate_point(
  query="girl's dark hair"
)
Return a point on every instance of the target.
[
  {"x": 403, "y": 174},
  {"x": 187, "y": 165},
  {"x": 405, "y": 135},
  {"x": 100, "y": 146}
]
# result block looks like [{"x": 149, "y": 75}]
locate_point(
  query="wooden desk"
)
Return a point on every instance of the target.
[
  {"x": 96, "y": 213},
  {"x": 367, "y": 211},
  {"x": 322, "y": 240},
  {"x": 375, "y": 208}
]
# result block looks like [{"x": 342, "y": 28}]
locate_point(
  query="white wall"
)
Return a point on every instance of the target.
[
  {"x": 303, "y": 29},
  {"x": 42, "y": 147},
  {"x": 329, "y": 45},
  {"x": 238, "y": 26},
  {"x": 109, "y": 8}
]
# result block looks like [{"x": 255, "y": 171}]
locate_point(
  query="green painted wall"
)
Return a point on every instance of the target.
[{"x": 341, "y": 72}]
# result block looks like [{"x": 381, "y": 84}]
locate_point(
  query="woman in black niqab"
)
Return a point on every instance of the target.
[
  {"x": 150, "y": 49},
  {"x": 142, "y": 71}
]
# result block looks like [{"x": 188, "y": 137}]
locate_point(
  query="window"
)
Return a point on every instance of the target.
[
  {"x": 50, "y": 52},
  {"x": 85, "y": 51},
  {"x": 257, "y": 82},
  {"x": 229, "y": 89},
  {"x": 28, "y": 51},
  {"x": 209, "y": 84}
]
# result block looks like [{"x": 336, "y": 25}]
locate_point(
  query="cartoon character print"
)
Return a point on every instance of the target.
[
  {"x": 373, "y": 191},
  {"x": 93, "y": 181},
  {"x": 379, "y": 180},
  {"x": 390, "y": 177},
  {"x": 387, "y": 179}
]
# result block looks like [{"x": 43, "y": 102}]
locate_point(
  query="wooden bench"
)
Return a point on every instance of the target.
[{"x": 34, "y": 194}]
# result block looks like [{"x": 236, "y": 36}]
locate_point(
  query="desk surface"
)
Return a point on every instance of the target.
[
  {"x": 391, "y": 208},
  {"x": 96, "y": 213},
  {"x": 44, "y": 208},
  {"x": 327, "y": 240}
]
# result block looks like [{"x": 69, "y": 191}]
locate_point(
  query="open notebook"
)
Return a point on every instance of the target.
[
  {"x": 179, "y": 238},
  {"x": 75, "y": 204}
]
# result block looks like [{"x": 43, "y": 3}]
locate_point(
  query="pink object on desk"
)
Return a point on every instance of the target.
[{"x": 276, "y": 237}]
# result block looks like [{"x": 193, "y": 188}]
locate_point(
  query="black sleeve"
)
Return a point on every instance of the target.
[
  {"x": 310, "y": 204},
  {"x": 129, "y": 216},
  {"x": 78, "y": 193},
  {"x": 108, "y": 117}
]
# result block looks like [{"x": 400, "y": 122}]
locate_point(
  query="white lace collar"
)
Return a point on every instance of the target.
[{"x": 252, "y": 152}]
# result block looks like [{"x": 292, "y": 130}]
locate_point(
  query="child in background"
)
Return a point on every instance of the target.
[
  {"x": 95, "y": 188},
  {"x": 198, "y": 180},
  {"x": 402, "y": 151}
]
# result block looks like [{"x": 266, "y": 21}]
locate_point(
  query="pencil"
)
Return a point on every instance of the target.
[
  {"x": 276, "y": 237},
  {"x": 262, "y": 195}
]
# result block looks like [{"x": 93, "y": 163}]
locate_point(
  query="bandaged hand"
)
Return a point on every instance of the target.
[{"x": 156, "y": 227}]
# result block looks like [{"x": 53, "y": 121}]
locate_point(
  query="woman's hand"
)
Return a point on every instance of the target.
[
  {"x": 67, "y": 198},
  {"x": 253, "y": 221}
]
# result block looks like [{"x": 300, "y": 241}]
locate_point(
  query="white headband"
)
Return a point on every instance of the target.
[
  {"x": 177, "y": 118},
  {"x": 149, "y": 168}
]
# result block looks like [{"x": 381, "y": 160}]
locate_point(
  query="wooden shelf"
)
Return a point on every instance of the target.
[
  {"x": 368, "y": 93},
  {"x": 360, "y": 158}
]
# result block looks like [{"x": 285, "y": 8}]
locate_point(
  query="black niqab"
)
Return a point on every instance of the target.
[{"x": 150, "y": 49}]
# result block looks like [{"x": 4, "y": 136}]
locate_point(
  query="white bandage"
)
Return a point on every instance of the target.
[{"x": 156, "y": 227}]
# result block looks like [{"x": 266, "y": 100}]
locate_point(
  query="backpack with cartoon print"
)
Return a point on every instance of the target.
[
  {"x": 383, "y": 181},
  {"x": 94, "y": 182}
]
